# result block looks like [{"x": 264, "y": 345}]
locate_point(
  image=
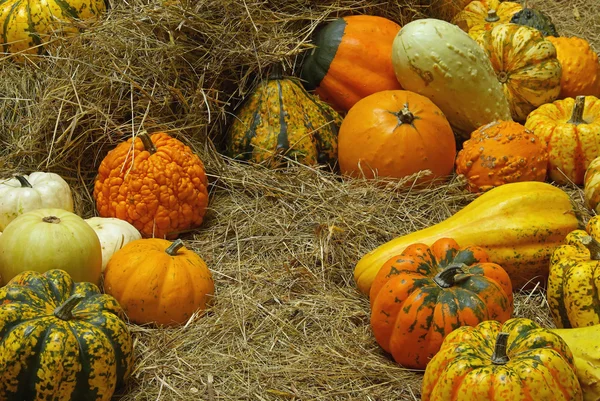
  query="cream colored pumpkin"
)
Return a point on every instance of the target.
[
  {"x": 113, "y": 233},
  {"x": 23, "y": 193},
  {"x": 442, "y": 62}
]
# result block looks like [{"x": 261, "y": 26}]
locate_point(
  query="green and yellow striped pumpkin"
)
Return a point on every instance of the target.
[
  {"x": 60, "y": 340},
  {"x": 27, "y": 24},
  {"x": 281, "y": 119}
]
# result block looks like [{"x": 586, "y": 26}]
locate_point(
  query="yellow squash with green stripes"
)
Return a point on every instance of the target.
[
  {"x": 28, "y": 24},
  {"x": 60, "y": 340},
  {"x": 574, "y": 278},
  {"x": 281, "y": 119}
]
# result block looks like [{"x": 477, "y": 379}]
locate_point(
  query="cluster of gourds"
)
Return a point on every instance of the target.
[{"x": 69, "y": 284}]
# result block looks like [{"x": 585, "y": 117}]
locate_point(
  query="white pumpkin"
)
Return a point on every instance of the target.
[
  {"x": 113, "y": 234},
  {"x": 439, "y": 60},
  {"x": 38, "y": 190},
  {"x": 45, "y": 239}
]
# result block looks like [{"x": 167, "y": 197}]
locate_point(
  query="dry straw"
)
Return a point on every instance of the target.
[{"x": 287, "y": 322}]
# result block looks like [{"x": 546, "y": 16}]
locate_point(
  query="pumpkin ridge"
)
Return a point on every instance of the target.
[
  {"x": 282, "y": 137},
  {"x": 6, "y": 26},
  {"x": 67, "y": 9}
]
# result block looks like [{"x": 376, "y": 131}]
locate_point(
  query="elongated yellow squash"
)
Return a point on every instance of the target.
[{"x": 519, "y": 224}]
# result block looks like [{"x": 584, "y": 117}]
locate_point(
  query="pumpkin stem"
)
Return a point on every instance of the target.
[
  {"x": 577, "y": 114},
  {"x": 148, "y": 145},
  {"x": 450, "y": 276},
  {"x": 499, "y": 356},
  {"x": 174, "y": 247},
  {"x": 405, "y": 116},
  {"x": 276, "y": 72},
  {"x": 23, "y": 181},
  {"x": 492, "y": 16},
  {"x": 592, "y": 245},
  {"x": 51, "y": 219},
  {"x": 65, "y": 311}
]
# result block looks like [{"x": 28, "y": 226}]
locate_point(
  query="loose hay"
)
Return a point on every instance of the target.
[{"x": 287, "y": 322}]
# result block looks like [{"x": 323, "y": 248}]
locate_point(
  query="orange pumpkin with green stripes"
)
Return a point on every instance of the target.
[
  {"x": 28, "y": 25},
  {"x": 421, "y": 295},
  {"x": 281, "y": 120},
  {"x": 61, "y": 340},
  {"x": 517, "y": 360}
]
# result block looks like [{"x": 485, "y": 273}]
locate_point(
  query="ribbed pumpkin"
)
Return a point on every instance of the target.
[
  {"x": 480, "y": 16},
  {"x": 396, "y": 134},
  {"x": 571, "y": 128},
  {"x": 499, "y": 153},
  {"x": 281, "y": 119},
  {"x": 351, "y": 60},
  {"x": 535, "y": 18},
  {"x": 159, "y": 282},
  {"x": 61, "y": 340},
  {"x": 573, "y": 281},
  {"x": 27, "y": 25},
  {"x": 154, "y": 182},
  {"x": 580, "y": 67},
  {"x": 421, "y": 295},
  {"x": 591, "y": 186},
  {"x": 525, "y": 64},
  {"x": 517, "y": 360}
]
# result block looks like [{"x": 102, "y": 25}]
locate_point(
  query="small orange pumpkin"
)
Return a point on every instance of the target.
[
  {"x": 499, "y": 153},
  {"x": 396, "y": 134},
  {"x": 156, "y": 281},
  {"x": 155, "y": 182}
]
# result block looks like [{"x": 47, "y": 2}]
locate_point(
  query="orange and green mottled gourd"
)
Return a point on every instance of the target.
[
  {"x": 517, "y": 360},
  {"x": 500, "y": 153},
  {"x": 281, "y": 119},
  {"x": 574, "y": 278},
  {"x": 351, "y": 60},
  {"x": 421, "y": 295},
  {"x": 571, "y": 129},
  {"x": 28, "y": 25},
  {"x": 591, "y": 186},
  {"x": 480, "y": 16},
  {"x": 526, "y": 65},
  {"x": 61, "y": 340},
  {"x": 154, "y": 182},
  {"x": 158, "y": 282}
]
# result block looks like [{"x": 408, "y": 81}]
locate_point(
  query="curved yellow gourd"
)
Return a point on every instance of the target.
[{"x": 518, "y": 224}]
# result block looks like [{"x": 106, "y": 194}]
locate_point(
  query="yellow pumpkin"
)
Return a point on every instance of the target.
[
  {"x": 480, "y": 16},
  {"x": 591, "y": 186}
]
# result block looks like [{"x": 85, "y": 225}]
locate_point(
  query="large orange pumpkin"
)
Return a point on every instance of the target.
[
  {"x": 396, "y": 134},
  {"x": 155, "y": 182}
]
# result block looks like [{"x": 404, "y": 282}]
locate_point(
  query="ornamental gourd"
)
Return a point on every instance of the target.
[
  {"x": 517, "y": 224},
  {"x": 535, "y": 19},
  {"x": 154, "y": 182},
  {"x": 525, "y": 64},
  {"x": 480, "y": 16},
  {"x": 421, "y": 295},
  {"x": 396, "y": 134},
  {"x": 61, "y": 340},
  {"x": 573, "y": 281},
  {"x": 46, "y": 239},
  {"x": 159, "y": 282},
  {"x": 591, "y": 186},
  {"x": 454, "y": 73},
  {"x": 571, "y": 128},
  {"x": 499, "y": 153},
  {"x": 281, "y": 119},
  {"x": 517, "y": 360},
  {"x": 113, "y": 234},
  {"x": 351, "y": 60},
  {"x": 37, "y": 190}
]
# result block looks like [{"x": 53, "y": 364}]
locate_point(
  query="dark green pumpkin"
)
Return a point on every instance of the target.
[
  {"x": 60, "y": 340},
  {"x": 535, "y": 19},
  {"x": 281, "y": 119}
]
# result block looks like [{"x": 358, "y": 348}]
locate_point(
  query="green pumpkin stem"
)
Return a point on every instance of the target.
[
  {"x": 450, "y": 276},
  {"x": 174, "y": 247},
  {"x": 65, "y": 311},
  {"x": 276, "y": 72},
  {"x": 148, "y": 145},
  {"x": 492, "y": 16},
  {"x": 592, "y": 245},
  {"x": 499, "y": 356},
  {"x": 23, "y": 181},
  {"x": 577, "y": 114}
]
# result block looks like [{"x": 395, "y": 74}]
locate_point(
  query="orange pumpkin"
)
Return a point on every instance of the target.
[
  {"x": 156, "y": 183},
  {"x": 480, "y": 16},
  {"x": 396, "y": 134},
  {"x": 421, "y": 295},
  {"x": 571, "y": 128},
  {"x": 580, "y": 68},
  {"x": 501, "y": 152},
  {"x": 156, "y": 281}
]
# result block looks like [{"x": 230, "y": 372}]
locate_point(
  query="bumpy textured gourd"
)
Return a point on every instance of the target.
[{"x": 535, "y": 19}]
